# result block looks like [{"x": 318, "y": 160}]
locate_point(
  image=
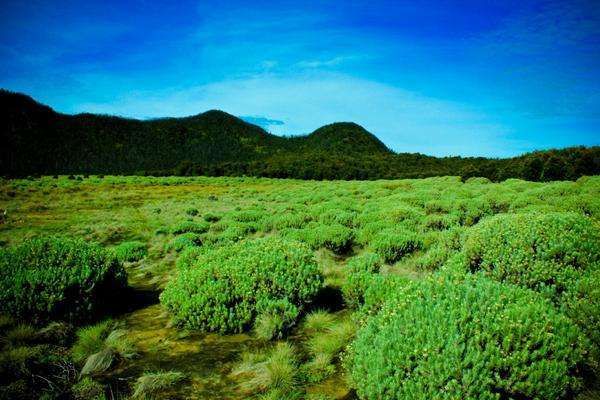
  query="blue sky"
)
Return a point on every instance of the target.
[{"x": 490, "y": 78}]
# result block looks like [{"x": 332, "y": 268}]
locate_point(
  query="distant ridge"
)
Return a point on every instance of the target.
[{"x": 37, "y": 140}]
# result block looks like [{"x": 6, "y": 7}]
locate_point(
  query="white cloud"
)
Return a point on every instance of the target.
[{"x": 405, "y": 121}]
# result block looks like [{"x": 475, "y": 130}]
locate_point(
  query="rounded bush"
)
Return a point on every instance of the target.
[
  {"x": 336, "y": 238},
  {"x": 190, "y": 227},
  {"x": 476, "y": 339},
  {"x": 393, "y": 244},
  {"x": 361, "y": 271},
  {"x": 58, "y": 278},
  {"x": 545, "y": 252},
  {"x": 131, "y": 251},
  {"x": 226, "y": 288}
]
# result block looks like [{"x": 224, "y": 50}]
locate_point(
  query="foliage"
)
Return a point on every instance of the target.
[
  {"x": 228, "y": 287},
  {"x": 131, "y": 251},
  {"x": 88, "y": 389},
  {"x": 360, "y": 273},
  {"x": 275, "y": 371},
  {"x": 37, "y": 140},
  {"x": 393, "y": 244},
  {"x": 336, "y": 238},
  {"x": 190, "y": 227},
  {"x": 318, "y": 321},
  {"x": 275, "y": 318},
  {"x": 440, "y": 338},
  {"x": 557, "y": 254},
  {"x": 151, "y": 384},
  {"x": 546, "y": 252},
  {"x": 90, "y": 340},
  {"x": 58, "y": 278},
  {"x": 185, "y": 241}
]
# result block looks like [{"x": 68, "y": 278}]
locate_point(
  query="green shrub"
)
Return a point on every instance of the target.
[
  {"x": 475, "y": 339},
  {"x": 248, "y": 215},
  {"x": 226, "y": 287},
  {"x": 190, "y": 227},
  {"x": 361, "y": 269},
  {"x": 394, "y": 244},
  {"x": 336, "y": 238},
  {"x": 192, "y": 212},
  {"x": 439, "y": 222},
  {"x": 544, "y": 252},
  {"x": 275, "y": 318},
  {"x": 185, "y": 241},
  {"x": 131, "y": 251},
  {"x": 290, "y": 220},
  {"x": 56, "y": 278},
  {"x": 556, "y": 254},
  {"x": 211, "y": 217}
]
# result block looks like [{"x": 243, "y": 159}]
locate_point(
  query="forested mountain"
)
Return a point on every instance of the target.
[{"x": 37, "y": 140}]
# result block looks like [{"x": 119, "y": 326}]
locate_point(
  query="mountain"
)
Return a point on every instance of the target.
[{"x": 37, "y": 140}]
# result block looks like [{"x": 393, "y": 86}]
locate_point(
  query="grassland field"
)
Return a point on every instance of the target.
[{"x": 355, "y": 242}]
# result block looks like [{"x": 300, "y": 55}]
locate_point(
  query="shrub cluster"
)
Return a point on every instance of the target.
[
  {"x": 131, "y": 251},
  {"x": 226, "y": 288},
  {"x": 546, "y": 252},
  {"x": 58, "y": 278},
  {"x": 361, "y": 270},
  {"x": 479, "y": 339},
  {"x": 190, "y": 227},
  {"x": 556, "y": 254},
  {"x": 393, "y": 244}
]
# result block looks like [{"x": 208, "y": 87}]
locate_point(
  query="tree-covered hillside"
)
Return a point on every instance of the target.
[{"x": 37, "y": 140}]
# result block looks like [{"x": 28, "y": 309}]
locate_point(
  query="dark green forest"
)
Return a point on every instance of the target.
[{"x": 36, "y": 140}]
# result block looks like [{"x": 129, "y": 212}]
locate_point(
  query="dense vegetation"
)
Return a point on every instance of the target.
[
  {"x": 227, "y": 289},
  {"x": 474, "y": 339},
  {"x": 53, "y": 278},
  {"x": 294, "y": 289},
  {"x": 37, "y": 140}
]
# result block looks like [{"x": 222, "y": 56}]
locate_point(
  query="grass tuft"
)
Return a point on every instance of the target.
[{"x": 152, "y": 384}]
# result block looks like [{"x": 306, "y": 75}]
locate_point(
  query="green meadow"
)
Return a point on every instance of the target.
[{"x": 252, "y": 288}]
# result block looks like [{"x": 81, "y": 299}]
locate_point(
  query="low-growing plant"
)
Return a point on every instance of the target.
[
  {"x": 211, "y": 217},
  {"x": 88, "y": 389},
  {"x": 555, "y": 254},
  {"x": 185, "y": 241},
  {"x": 276, "y": 371},
  {"x": 473, "y": 338},
  {"x": 227, "y": 286},
  {"x": 192, "y": 212},
  {"x": 275, "y": 318},
  {"x": 394, "y": 244},
  {"x": 360, "y": 273},
  {"x": 336, "y": 238},
  {"x": 544, "y": 252},
  {"x": 20, "y": 335},
  {"x": 58, "y": 278},
  {"x": 98, "y": 347},
  {"x": 318, "y": 321},
  {"x": 190, "y": 227},
  {"x": 152, "y": 385},
  {"x": 290, "y": 220},
  {"x": 90, "y": 340},
  {"x": 131, "y": 251}
]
